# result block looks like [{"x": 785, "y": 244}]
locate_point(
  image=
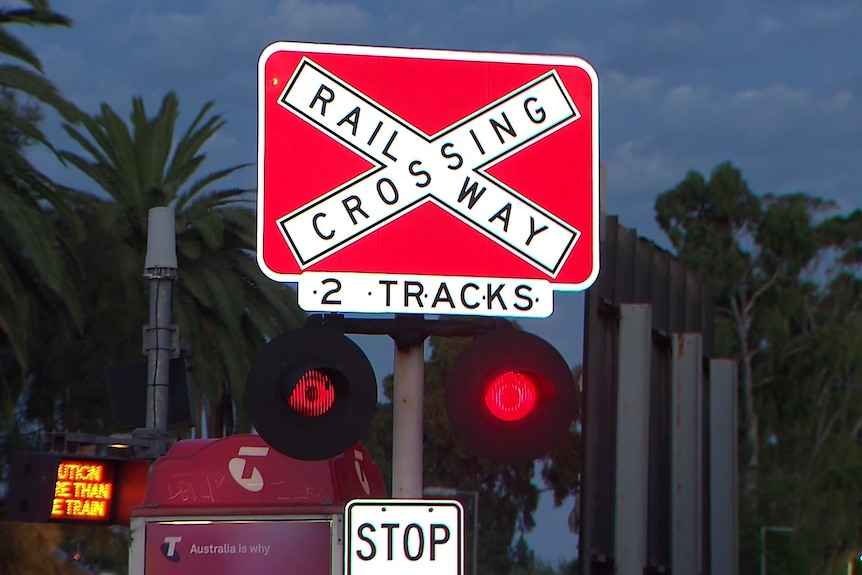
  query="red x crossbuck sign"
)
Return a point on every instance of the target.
[{"x": 431, "y": 182}]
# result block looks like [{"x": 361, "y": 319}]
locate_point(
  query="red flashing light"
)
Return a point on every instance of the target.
[
  {"x": 313, "y": 395},
  {"x": 511, "y": 396}
]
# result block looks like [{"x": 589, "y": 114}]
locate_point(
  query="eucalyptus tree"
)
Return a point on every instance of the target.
[
  {"x": 744, "y": 246},
  {"x": 707, "y": 221},
  {"x": 225, "y": 308},
  {"x": 784, "y": 270},
  {"x": 33, "y": 253}
]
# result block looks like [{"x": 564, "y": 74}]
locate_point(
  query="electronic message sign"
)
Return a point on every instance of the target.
[
  {"x": 83, "y": 490},
  {"x": 61, "y": 487}
]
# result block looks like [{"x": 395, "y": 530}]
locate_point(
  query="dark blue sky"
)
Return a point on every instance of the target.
[{"x": 773, "y": 86}]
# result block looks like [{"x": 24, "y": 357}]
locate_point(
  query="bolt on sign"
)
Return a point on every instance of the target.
[{"x": 424, "y": 181}]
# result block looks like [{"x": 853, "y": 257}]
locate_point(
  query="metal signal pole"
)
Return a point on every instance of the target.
[
  {"x": 407, "y": 411},
  {"x": 159, "y": 336}
]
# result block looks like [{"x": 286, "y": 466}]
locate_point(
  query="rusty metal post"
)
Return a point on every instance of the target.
[
  {"x": 724, "y": 544},
  {"x": 686, "y": 453},
  {"x": 633, "y": 412}
]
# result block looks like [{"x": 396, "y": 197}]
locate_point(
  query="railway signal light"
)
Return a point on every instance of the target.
[
  {"x": 311, "y": 393},
  {"x": 510, "y": 396}
]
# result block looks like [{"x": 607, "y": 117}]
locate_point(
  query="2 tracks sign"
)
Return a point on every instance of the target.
[{"x": 419, "y": 181}]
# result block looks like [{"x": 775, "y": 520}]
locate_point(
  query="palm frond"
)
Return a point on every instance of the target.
[
  {"x": 200, "y": 185},
  {"x": 13, "y": 308},
  {"x": 189, "y": 146},
  {"x": 224, "y": 305},
  {"x": 38, "y": 87},
  {"x": 24, "y": 126},
  {"x": 226, "y": 294},
  {"x": 178, "y": 176},
  {"x": 19, "y": 212},
  {"x": 235, "y": 361},
  {"x": 122, "y": 151},
  {"x": 198, "y": 288},
  {"x": 232, "y": 198},
  {"x": 190, "y": 142},
  {"x": 40, "y": 14},
  {"x": 103, "y": 176},
  {"x": 161, "y": 135},
  {"x": 95, "y": 132},
  {"x": 12, "y": 46},
  {"x": 211, "y": 229}
]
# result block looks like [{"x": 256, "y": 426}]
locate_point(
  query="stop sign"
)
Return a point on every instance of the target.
[{"x": 420, "y": 181}]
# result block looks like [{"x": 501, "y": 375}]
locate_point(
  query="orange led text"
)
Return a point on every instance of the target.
[{"x": 82, "y": 491}]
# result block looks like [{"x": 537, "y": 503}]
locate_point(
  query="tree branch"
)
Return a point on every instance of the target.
[
  {"x": 753, "y": 299},
  {"x": 857, "y": 428}
]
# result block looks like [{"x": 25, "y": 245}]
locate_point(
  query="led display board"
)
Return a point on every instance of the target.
[
  {"x": 58, "y": 487},
  {"x": 83, "y": 490}
]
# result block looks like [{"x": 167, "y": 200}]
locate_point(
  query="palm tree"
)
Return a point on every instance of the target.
[
  {"x": 225, "y": 307},
  {"x": 33, "y": 252}
]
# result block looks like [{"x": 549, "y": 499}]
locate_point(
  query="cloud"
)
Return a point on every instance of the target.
[
  {"x": 743, "y": 43},
  {"x": 318, "y": 21},
  {"x": 200, "y": 50},
  {"x": 768, "y": 86},
  {"x": 477, "y": 25},
  {"x": 225, "y": 35},
  {"x": 782, "y": 137}
]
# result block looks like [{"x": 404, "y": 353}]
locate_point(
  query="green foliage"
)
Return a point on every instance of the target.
[
  {"x": 704, "y": 221},
  {"x": 561, "y": 469},
  {"x": 73, "y": 297},
  {"x": 98, "y": 547},
  {"x": 541, "y": 567},
  {"x": 34, "y": 275},
  {"x": 785, "y": 275},
  {"x": 29, "y": 548},
  {"x": 224, "y": 306}
]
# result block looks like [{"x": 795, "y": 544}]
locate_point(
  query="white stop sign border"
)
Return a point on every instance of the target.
[{"x": 396, "y": 536}]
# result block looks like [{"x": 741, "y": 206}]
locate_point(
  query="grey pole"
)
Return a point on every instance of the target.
[
  {"x": 632, "y": 457},
  {"x": 161, "y": 270},
  {"x": 723, "y": 531},
  {"x": 686, "y": 462},
  {"x": 476, "y": 533}
]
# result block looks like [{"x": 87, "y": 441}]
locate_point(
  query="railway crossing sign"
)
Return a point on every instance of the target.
[
  {"x": 395, "y": 536},
  {"x": 423, "y": 181}
]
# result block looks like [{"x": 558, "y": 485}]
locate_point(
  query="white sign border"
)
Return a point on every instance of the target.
[
  {"x": 340, "y": 292},
  {"x": 427, "y": 54},
  {"x": 390, "y": 502}
]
